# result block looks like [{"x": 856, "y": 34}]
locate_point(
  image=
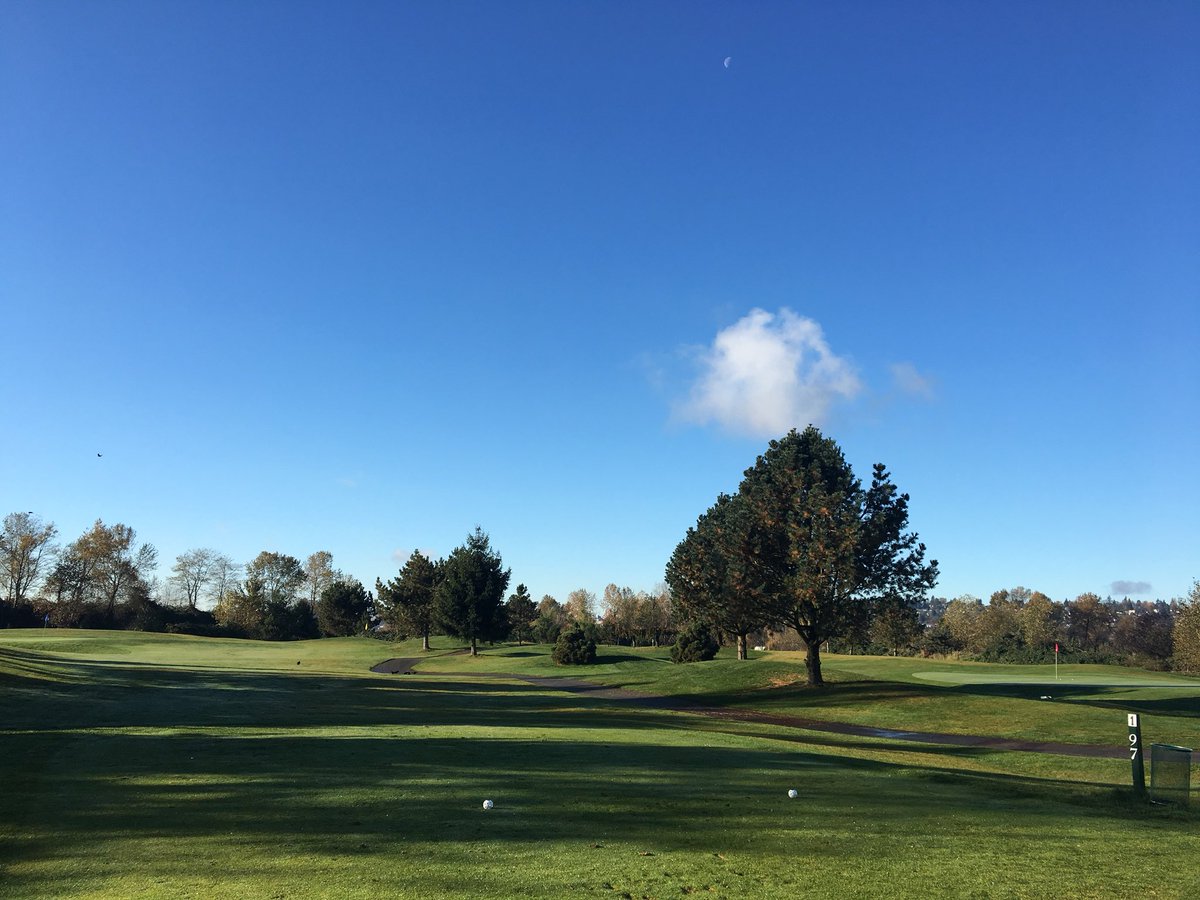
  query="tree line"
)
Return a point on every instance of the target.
[
  {"x": 802, "y": 548},
  {"x": 1022, "y": 626},
  {"x": 463, "y": 596},
  {"x": 106, "y": 578}
]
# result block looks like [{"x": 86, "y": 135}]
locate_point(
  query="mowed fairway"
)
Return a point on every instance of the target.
[{"x": 141, "y": 765}]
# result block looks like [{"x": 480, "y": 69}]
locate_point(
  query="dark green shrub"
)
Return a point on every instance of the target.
[
  {"x": 575, "y": 647},
  {"x": 696, "y": 643}
]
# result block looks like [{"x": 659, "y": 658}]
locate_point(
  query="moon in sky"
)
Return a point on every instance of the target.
[{"x": 728, "y": 59}]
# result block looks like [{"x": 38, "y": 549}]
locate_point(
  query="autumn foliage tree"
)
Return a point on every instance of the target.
[
  {"x": 1041, "y": 621},
  {"x": 270, "y": 604},
  {"x": 118, "y": 567},
  {"x": 1187, "y": 633},
  {"x": 1089, "y": 620}
]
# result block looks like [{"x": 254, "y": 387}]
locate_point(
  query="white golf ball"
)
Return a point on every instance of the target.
[
  {"x": 487, "y": 804},
  {"x": 793, "y": 793}
]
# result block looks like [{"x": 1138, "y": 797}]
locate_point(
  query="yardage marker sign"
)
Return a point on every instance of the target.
[{"x": 1135, "y": 754}]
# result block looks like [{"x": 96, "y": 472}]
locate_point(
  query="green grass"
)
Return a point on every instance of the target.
[
  {"x": 1087, "y": 706},
  {"x": 156, "y": 766}
]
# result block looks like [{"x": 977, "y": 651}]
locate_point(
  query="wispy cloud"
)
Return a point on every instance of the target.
[
  {"x": 907, "y": 380},
  {"x": 1130, "y": 587},
  {"x": 767, "y": 373}
]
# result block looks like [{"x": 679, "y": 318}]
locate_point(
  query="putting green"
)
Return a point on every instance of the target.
[{"x": 1098, "y": 679}]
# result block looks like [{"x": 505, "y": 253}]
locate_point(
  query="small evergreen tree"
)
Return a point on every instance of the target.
[
  {"x": 696, "y": 643},
  {"x": 575, "y": 647},
  {"x": 521, "y": 615},
  {"x": 344, "y": 609},
  {"x": 714, "y": 573}
]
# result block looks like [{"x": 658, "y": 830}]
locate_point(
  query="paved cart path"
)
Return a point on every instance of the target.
[{"x": 675, "y": 704}]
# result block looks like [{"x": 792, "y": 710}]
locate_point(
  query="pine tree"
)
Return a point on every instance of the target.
[
  {"x": 407, "y": 601},
  {"x": 468, "y": 599},
  {"x": 521, "y": 614},
  {"x": 344, "y": 608},
  {"x": 829, "y": 551},
  {"x": 715, "y": 577}
]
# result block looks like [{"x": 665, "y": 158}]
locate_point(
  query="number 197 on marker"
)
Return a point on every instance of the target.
[{"x": 1135, "y": 757}]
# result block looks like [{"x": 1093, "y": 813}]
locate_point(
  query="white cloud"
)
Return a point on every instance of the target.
[
  {"x": 767, "y": 373},
  {"x": 909, "y": 381},
  {"x": 1130, "y": 587}
]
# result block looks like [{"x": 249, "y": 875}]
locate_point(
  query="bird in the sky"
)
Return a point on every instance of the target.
[{"x": 99, "y": 454}]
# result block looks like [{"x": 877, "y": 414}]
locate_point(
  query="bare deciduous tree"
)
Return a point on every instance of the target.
[
  {"x": 26, "y": 545},
  {"x": 226, "y": 574},
  {"x": 192, "y": 571}
]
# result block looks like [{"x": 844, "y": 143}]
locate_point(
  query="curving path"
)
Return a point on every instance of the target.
[{"x": 673, "y": 704}]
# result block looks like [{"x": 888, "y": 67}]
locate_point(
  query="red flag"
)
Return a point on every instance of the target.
[{"x": 1056, "y": 646}]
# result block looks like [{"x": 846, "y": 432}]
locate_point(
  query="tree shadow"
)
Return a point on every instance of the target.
[
  {"x": 1116, "y": 697},
  {"x": 626, "y": 659},
  {"x": 365, "y": 766}
]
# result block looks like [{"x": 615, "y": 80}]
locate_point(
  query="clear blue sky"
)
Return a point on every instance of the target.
[{"x": 360, "y": 276}]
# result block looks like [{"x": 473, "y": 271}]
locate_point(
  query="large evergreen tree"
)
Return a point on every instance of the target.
[
  {"x": 830, "y": 550},
  {"x": 467, "y": 601}
]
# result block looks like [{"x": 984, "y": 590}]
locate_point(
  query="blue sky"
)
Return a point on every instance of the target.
[{"x": 360, "y": 276}]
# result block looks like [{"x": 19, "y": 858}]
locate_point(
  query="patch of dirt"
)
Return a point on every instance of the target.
[{"x": 782, "y": 681}]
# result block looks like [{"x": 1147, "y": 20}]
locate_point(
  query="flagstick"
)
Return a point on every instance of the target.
[{"x": 1056, "y": 661}]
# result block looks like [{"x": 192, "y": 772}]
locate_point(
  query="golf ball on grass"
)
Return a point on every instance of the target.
[
  {"x": 488, "y": 804},
  {"x": 793, "y": 793}
]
